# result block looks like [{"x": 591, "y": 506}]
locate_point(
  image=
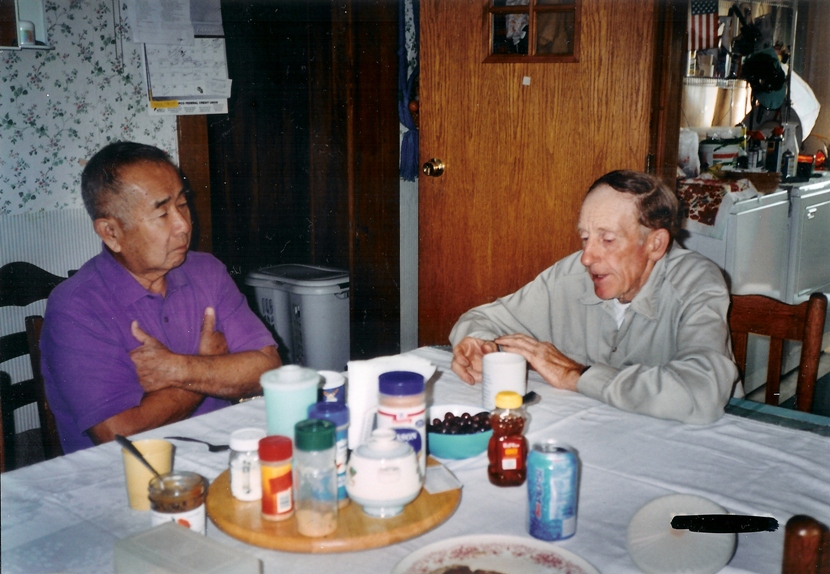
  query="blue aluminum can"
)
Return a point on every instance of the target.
[{"x": 552, "y": 489}]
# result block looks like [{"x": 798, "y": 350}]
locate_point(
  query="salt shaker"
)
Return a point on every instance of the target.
[
  {"x": 315, "y": 478},
  {"x": 246, "y": 480}
]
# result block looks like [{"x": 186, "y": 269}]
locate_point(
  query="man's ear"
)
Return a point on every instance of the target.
[
  {"x": 109, "y": 230},
  {"x": 658, "y": 244}
]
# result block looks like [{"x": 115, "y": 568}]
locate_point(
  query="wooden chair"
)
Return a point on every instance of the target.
[
  {"x": 22, "y": 284},
  {"x": 806, "y": 546},
  {"x": 766, "y": 316}
]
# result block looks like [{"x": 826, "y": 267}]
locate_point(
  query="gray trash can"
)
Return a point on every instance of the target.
[{"x": 308, "y": 307}]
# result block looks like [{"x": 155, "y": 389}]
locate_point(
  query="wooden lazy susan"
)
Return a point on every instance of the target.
[{"x": 356, "y": 530}]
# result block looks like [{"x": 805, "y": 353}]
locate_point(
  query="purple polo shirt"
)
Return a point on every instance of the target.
[{"x": 86, "y": 338}]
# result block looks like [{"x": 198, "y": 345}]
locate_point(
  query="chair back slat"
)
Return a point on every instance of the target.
[
  {"x": 21, "y": 284},
  {"x": 49, "y": 430},
  {"x": 740, "y": 342},
  {"x": 804, "y": 323},
  {"x": 13, "y": 346},
  {"x": 776, "y": 350}
]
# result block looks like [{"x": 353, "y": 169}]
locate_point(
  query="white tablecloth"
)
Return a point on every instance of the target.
[{"x": 66, "y": 514}]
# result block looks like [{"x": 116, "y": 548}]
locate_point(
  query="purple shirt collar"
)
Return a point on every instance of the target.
[{"x": 124, "y": 287}]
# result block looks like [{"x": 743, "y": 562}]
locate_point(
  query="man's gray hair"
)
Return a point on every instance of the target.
[
  {"x": 657, "y": 205},
  {"x": 101, "y": 185}
]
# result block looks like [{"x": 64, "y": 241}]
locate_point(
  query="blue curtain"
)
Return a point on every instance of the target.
[{"x": 409, "y": 144}]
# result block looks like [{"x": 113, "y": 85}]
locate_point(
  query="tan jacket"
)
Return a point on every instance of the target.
[{"x": 670, "y": 359}]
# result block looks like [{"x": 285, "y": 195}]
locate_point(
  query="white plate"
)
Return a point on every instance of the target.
[
  {"x": 508, "y": 554},
  {"x": 656, "y": 547}
]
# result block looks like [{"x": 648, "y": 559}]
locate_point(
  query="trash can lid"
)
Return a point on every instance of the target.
[{"x": 299, "y": 274}]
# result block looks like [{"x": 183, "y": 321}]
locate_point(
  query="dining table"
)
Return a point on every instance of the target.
[{"x": 67, "y": 514}]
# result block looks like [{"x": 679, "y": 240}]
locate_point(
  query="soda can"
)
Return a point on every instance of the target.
[{"x": 552, "y": 489}]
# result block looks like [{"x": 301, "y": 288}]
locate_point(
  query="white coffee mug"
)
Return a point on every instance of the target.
[{"x": 502, "y": 372}]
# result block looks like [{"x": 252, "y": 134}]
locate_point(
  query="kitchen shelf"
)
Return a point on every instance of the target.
[{"x": 12, "y": 12}]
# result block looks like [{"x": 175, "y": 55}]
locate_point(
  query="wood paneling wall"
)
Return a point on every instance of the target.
[
  {"x": 304, "y": 165},
  {"x": 195, "y": 164}
]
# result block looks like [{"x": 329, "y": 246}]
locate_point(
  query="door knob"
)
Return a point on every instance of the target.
[{"x": 433, "y": 168}]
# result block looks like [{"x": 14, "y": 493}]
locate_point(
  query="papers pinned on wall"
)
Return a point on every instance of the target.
[
  {"x": 187, "y": 79},
  {"x": 184, "y": 74}
]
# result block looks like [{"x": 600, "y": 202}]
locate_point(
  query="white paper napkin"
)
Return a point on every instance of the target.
[{"x": 362, "y": 389}]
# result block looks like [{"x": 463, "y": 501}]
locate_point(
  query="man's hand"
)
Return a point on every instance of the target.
[
  {"x": 155, "y": 364},
  {"x": 557, "y": 369},
  {"x": 211, "y": 342},
  {"x": 158, "y": 367},
  {"x": 467, "y": 356}
]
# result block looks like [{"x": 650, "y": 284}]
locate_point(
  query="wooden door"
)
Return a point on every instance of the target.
[{"x": 521, "y": 143}]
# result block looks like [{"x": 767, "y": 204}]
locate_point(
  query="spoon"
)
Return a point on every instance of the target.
[
  {"x": 130, "y": 447},
  {"x": 211, "y": 447}
]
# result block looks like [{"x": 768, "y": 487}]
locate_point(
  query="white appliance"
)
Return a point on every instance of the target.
[
  {"x": 776, "y": 245},
  {"x": 753, "y": 248},
  {"x": 809, "y": 261}
]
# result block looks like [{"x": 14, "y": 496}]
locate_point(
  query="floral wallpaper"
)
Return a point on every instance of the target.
[{"x": 58, "y": 107}]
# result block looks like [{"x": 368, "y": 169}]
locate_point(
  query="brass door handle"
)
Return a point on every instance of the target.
[{"x": 433, "y": 168}]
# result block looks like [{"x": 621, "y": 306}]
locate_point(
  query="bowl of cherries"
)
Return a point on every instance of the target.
[{"x": 458, "y": 431}]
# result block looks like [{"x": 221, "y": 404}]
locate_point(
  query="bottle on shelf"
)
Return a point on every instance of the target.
[
  {"x": 774, "y": 149},
  {"x": 756, "y": 150}
]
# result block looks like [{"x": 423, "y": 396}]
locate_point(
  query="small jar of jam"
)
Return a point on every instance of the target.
[
  {"x": 179, "y": 497},
  {"x": 507, "y": 450}
]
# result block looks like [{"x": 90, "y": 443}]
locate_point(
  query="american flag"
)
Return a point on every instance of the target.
[{"x": 703, "y": 25}]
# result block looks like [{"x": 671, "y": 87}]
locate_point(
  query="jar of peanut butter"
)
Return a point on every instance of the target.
[{"x": 179, "y": 497}]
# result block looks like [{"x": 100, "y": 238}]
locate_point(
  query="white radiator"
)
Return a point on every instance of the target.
[{"x": 57, "y": 241}]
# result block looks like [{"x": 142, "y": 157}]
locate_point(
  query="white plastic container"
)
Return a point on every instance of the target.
[
  {"x": 308, "y": 307},
  {"x": 172, "y": 549}
]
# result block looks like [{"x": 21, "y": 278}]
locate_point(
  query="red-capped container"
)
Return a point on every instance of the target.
[{"x": 275, "y": 454}]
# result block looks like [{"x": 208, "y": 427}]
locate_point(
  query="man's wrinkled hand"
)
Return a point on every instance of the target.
[
  {"x": 211, "y": 341},
  {"x": 467, "y": 358},
  {"x": 155, "y": 364},
  {"x": 557, "y": 369}
]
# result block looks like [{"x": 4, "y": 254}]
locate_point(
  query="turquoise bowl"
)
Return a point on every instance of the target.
[{"x": 456, "y": 446}]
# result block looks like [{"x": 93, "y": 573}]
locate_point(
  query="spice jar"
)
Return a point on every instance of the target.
[
  {"x": 179, "y": 497},
  {"x": 507, "y": 450},
  {"x": 315, "y": 478},
  {"x": 338, "y": 414},
  {"x": 402, "y": 407},
  {"x": 275, "y": 468},
  {"x": 246, "y": 480}
]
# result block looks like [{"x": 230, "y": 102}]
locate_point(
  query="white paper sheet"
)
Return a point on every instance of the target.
[
  {"x": 200, "y": 71},
  {"x": 160, "y": 21}
]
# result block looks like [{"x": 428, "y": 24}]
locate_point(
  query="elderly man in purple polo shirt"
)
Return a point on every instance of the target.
[{"x": 145, "y": 333}]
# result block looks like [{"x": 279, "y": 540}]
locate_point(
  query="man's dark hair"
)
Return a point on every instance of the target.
[
  {"x": 658, "y": 206},
  {"x": 101, "y": 182}
]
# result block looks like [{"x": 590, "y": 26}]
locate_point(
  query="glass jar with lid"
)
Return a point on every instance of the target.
[
  {"x": 179, "y": 497},
  {"x": 244, "y": 471}
]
